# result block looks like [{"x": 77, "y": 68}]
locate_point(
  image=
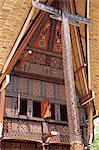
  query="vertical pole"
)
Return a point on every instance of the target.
[
  {"x": 2, "y": 111},
  {"x": 71, "y": 98},
  {"x": 88, "y": 53},
  {"x": 90, "y": 118},
  {"x": 90, "y": 123},
  {"x": 44, "y": 130},
  {"x": 19, "y": 99}
]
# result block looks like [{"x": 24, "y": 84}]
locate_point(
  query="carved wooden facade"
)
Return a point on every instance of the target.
[
  {"x": 47, "y": 73},
  {"x": 37, "y": 78},
  {"x": 36, "y": 89}
]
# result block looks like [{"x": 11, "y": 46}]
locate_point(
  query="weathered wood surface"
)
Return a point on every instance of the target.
[{"x": 12, "y": 16}]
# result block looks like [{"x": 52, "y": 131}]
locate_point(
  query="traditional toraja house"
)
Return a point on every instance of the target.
[{"x": 47, "y": 101}]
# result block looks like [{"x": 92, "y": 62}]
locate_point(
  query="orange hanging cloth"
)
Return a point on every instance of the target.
[{"x": 45, "y": 109}]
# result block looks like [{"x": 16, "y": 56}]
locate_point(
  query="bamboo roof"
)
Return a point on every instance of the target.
[
  {"x": 12, "y": 17},
  {"x": 94, "y": 49}
]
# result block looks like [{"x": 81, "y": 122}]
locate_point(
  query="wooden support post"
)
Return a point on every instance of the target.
[
  {"x": 71, "y": 98},
  {"x": 90, "y": 123},
  {"x": 2, "y": 102}
]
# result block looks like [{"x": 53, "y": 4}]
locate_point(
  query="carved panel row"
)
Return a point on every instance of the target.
[
  {"x": 6, "y": 145},
  {"x": 35, "y": 89},
  {"x": 32, "y": 130},
  {"x": 41, "y": 70},
  {"x": 22, "y": 129},
  {"x": 45, "y": 59},
  {"x": 42, "y": 65}
]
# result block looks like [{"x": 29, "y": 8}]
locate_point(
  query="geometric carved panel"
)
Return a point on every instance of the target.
[
  {"x": 22, "y": 85},
  {"x": 49, "y": 90},
  {"x": 62, "y": 92},
  {"x": 8, "y": 106},
  {"x": 36, "y": 88},
  {"x": 57, "y": 39},
  {"x": 41, "y": 40}
]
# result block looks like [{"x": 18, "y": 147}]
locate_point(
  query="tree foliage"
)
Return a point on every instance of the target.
[{"x": 95, "y": 144}]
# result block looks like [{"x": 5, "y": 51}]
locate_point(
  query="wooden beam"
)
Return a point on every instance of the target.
[
  {"x": 39, "y": 77},
  {"x": 82, "y": 67},
  {"x": 5, "y": 83},
  {"x": 89, "y": 98},
  {"x": 88, "y": 51},
  {"x": 24, "y": 58},
  {"x": 73, "y": 18}
]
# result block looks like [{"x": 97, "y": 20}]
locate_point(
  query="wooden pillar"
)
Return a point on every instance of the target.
[
  {"x": 90, "y": 123},
  {"x": 2, "y": 102},
  {"x": 70, "y": 92}
]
